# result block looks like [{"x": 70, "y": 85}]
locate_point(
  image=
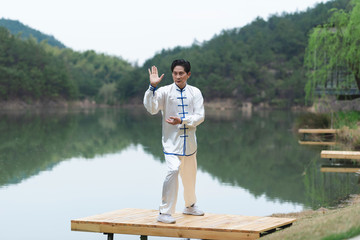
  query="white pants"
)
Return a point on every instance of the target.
[{"x": 186, "y": 166}]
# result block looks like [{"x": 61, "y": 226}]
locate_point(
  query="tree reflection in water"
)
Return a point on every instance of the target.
[{"x": 257, "y": 151}]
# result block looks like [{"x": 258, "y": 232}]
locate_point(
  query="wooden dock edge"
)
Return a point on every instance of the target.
[
  {"x": 168, "y": 232},
  {"x": 340, "y": 169},
  {"x": 317, "y": 143},
  {"x": 351, "y": 155},
  {"x": 318, "y": 131},
  {"x": 143, "y": 223}
]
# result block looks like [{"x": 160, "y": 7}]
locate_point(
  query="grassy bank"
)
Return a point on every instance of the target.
[
  {"x": 349, "y": 125},
  {"x": 340, "y": 223}
]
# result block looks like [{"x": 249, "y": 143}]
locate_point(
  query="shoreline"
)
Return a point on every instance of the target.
[
  {"x": 353, "y": 199},
  {"x": 340, "y": 222},
  {"x": 323, "y": 105},
  {"x": 218, "y": 104}
]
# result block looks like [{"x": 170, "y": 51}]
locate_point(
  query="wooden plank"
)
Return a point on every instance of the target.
[
  {"x": 179, "y": 233},
  {"x": 333, "y": 131},
  {"x": 228, "y": 224},
  {"x": 267, "y": 223},
  {"x": 85, "y": 227},
  {"x": 340, "y": 169},
  {"x": 340, "y": 154},
  {"x": 235, "y": 223},
  {"x": 317, "y": 143},
  {"x": 210, "y": 226},
  {"x": 195, "y": 223}
]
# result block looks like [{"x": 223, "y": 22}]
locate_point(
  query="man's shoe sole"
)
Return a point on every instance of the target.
[
  {"x": 166, "y": 222},
  {"x": 193, "y": 214}
]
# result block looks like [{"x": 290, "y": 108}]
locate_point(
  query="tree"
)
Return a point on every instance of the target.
[{"x": 333, "y": 51}]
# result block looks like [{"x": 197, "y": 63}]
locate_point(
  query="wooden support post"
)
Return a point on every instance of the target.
[
  {"x": 304, "y": 137},
  {"x": 143, "y": 237},
  {"x": 110, "y": 236},
  {"x": 286, "y": 226}
]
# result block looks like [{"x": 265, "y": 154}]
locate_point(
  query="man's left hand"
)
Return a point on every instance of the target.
[{"x": 173, "y": 120}]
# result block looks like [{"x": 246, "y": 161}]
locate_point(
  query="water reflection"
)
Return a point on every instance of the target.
[{"x": 257, "y": 152}]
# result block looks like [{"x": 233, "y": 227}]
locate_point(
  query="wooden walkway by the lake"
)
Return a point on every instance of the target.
[
  {"x": 353, "y": 155},
  {"x": 317, "y": 132},
  {"x": 340, "y": 169},
  {"x": 211, "y": 226},
  {"x": 317, "y": 143}
]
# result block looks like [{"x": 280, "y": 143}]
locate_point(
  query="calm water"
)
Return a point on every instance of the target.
[{"x": 57, "y": 166}]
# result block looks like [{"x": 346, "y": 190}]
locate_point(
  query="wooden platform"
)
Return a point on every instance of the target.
[
  {"x": 317, "y": 143},
  {"x": 211, "y": 226},
  {"x": 340, "y": 169},
  {"x": 318, "y": 131},
  {"x": 309, "y": 135},
  {"x": 354, "y": 155}
]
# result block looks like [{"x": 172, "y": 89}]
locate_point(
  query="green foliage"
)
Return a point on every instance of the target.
[
  {"x": 25, "y": 32},
  {"x": 27, "y": 71},
  {"x": 349, "y": 119},
  {"x": 313, "y": 120},
  {"x": 340, "y": 119},
  {"x": 353, "y": 232},
  {"x": 91, "y": 71},
  {"x": 332, "y": 54},
  {"x": 107, "y": 93},
  {"x": 260, "y": 62},
  {"x": 30, "y": 70}
]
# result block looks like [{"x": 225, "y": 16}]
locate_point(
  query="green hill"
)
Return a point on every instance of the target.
[
  {"x": 262, "y": 62},
  {"x": 16, "y": 27},
  {"x": 37, "y": 71}
]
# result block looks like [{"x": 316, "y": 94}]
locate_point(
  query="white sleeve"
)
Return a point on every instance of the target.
[
  {"x": 198, "y": 116},
  {"x": 153, "y": 100}
]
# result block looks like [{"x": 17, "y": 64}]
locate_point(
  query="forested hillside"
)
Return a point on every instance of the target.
[
  {"x": 37, "y": 71},
  {"x": 28, "y": 72},
  {"x": 16, "y": 27},
  {"x": 262, "y": 62}
]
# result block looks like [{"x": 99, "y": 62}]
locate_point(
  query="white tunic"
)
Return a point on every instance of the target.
[{"x": 187, "y": 104}]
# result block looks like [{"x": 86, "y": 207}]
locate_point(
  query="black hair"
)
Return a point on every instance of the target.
[{"x": 181, "y": 62}]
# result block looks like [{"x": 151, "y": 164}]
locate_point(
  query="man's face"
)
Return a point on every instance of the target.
[{"x": 180, "y": 76}]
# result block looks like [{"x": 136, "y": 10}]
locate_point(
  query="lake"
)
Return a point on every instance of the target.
[{"x": 60, "y": 165}]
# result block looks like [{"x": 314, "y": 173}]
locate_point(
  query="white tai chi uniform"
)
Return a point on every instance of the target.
[{"x": 179, "y": 141}]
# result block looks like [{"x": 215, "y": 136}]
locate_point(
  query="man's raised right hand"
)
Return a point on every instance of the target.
[{"x": 154, "y": 76}]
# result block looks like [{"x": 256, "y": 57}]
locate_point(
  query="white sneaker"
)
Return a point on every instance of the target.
[
  {"x": 165, "y": 218},
  {"x": 193, "y": 210}
]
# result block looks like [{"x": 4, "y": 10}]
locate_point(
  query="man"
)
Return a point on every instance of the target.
[{"x": 182, "y": 111}]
